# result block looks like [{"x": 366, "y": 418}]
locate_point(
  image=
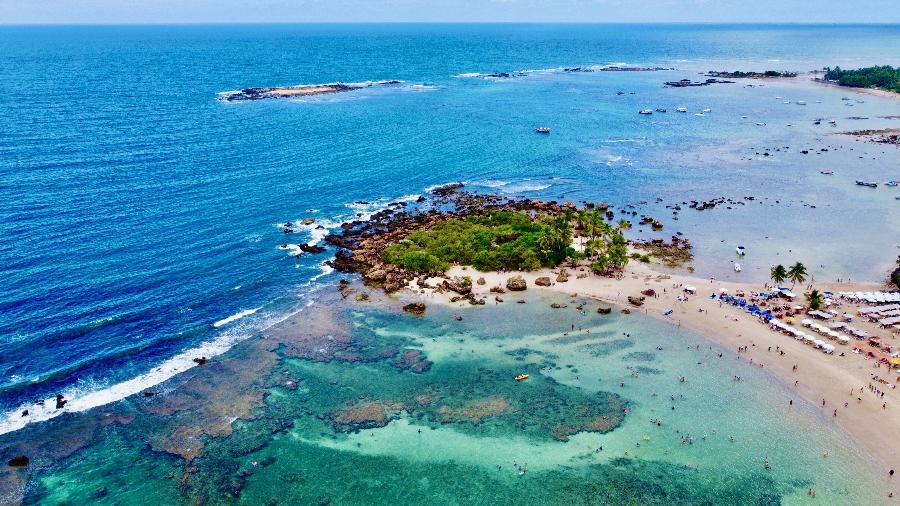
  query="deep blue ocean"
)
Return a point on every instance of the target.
[{"x": 138, "y": 210}]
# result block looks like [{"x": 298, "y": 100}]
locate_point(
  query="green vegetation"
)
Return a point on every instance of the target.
[
  {"x": 815, "y": 300},
  {"x": 741, "y": 74},
  {"x": 603, "y": 244},
  {"x": 797, "y": 273},
  {"x": 884, "y": 77},
  {"x": 501, "y": 240},
  {"x": 778, "y": 274},
  {"x": 640, "y": 258}
]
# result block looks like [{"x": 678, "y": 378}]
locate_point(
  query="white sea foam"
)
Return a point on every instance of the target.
[
  {"x": 86, "y": 394},
  {"x": 469, "y": 74},
  {"x": 235, "y": 317},
  {"x": 525, "y": 187}
]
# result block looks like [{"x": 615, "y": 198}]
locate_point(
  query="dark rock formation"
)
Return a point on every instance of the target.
[
  {"x": 416, "y": 308},
  {"x": 516, "y": 284}
]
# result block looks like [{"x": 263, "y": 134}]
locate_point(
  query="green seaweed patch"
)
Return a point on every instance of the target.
[
  {"x": 641, "y": 356},
  {"x": 607, "y": 348}
]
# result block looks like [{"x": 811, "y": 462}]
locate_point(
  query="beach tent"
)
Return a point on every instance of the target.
[
  {"x": 843, "y": 339},
  {"x": 690, "y": 289},
  {"x": 818, "y": 343},
  {"x": 828, "y": 348},
  {"x": 887, "y": 322}
]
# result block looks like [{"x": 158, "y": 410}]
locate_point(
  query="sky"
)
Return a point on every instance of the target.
[{"x": 594, "y": 11}]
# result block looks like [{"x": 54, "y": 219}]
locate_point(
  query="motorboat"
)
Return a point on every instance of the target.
[
  {"x": 892, "y": 183},
  {"x": 740, "y": 250},
  {"x": 521, "y": 377},
  {"x": 542, "y": 130},
  {"x": 845, "y": 98},
  {"x": 681, "y": 109},
  {"x": 660, "y": 109},
  {"x": 801, "y": 102},
  {"x": 699, "y": 114},
  {"x": 760, "y": 124},
  {"x": 737, "y": 267},
  {"x": 828, "y": 172},
  {"x": 786, "y": 102},
  {"x": 707, "y": 110},
  {"x": 646, "y": 111},
  {"x": 866, "y": 183}
]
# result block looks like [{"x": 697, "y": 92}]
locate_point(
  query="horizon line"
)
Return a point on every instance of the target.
[{"x": 448, "y": 23}]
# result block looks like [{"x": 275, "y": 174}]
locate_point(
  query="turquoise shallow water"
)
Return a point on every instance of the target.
[{"x": 464, "y": 432}]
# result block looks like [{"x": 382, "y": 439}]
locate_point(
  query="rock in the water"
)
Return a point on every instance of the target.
[
  {"x": 557, "y": 305},
  {"x": 542, "y": 281},
  {"x": 604, "y": 310},
  {"x": 308, "y": 221},
  {"x": 60, "y": 401},
  {"x": 625, "y": 310},
  {"x": 416, "y": 308},
  {"x": 19, "y": 461},
  {"x": 200, "y": 361},
  {"x": 516, "y": 284}
]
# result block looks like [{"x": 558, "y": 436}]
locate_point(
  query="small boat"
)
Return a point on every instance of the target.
[
  {"x": 646, "y": 111},
  {"x": 777, "y": 98},
  {"x": 699, "y": 114},
  {"x": 707, "y": 110},
  {"x": 848, "y": 104},
  {"x": 801, "y": 102},
  {"x": 521, "y": 377},
  {"x": 737, "y": 267},
  {"x": 760, "y": 124},
  {"x": 817, "y": 122},
  {"x": 681, "y": 109},
  {"x": 828, "y": 172},
  {"x": 867, "y": 184},
  {"x": 845, "y": 98},
  {"x": 542, "y": 130},
  {"x": 786, "y": 102},
  {"x": 892, "y": 183},
  {"x": 741, "y": 250},
  {"x": 660, "y": 109}
]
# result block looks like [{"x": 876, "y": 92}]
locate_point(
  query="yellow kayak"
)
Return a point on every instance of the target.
[{"x": 521, "y": 377}]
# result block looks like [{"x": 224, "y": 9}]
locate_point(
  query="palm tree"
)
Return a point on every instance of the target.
[
  {"x": 815, "y": 300},
  {"x": 778, "y": 274},
  {"x": 797, "y": 273}
]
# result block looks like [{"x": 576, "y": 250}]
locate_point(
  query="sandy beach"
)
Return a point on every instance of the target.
[{"x": 828, "y": 381}]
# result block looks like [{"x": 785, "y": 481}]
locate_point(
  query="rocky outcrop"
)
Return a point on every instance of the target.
[
  {"x": 415, "y": 308},
  {"x": 636, "y": 301},
  {"x": 460, "y": 285},
  {"x": 542, "y": 281},
  {"x": 604, "y": 310},
  {"x": 563, "y": 276},
  {"x": 516, "y": 284}
]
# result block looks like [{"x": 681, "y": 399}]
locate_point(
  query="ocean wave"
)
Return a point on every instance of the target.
[
  {"x": 89, "y": 394},
  {"x": 235, "y": 317},
  {"x": 525, "y": 187},
  {"x": 490, "y": 183}
]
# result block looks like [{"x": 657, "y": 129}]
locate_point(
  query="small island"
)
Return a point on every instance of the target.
[
  {"x": 880, "y": 77},
  {"x": 395, "y": 249},
  {"x": 737, "y": 74},
  {"x": 305, "y": 90}
]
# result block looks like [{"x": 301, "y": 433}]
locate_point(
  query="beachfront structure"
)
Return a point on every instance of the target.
[{"x": 871, "y": 297}]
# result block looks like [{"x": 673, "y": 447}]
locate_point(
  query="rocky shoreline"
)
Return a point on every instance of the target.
[
  {"x": 360, "y": 244},
  {"x": 248, "y": 94}
]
